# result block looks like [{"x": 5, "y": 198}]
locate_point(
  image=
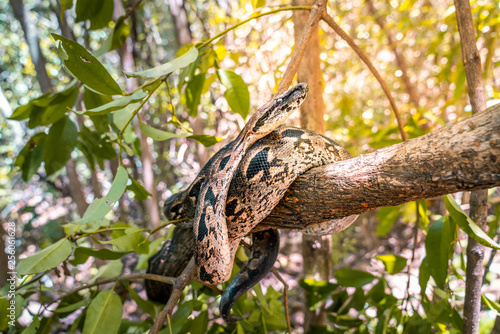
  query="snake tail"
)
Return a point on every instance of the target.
[{"x": 265, "y": 249}]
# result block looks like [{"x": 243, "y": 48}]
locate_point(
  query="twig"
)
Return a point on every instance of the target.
[
  {"x": 479, "y": 199},
  {"x": 178, "y": 286},
  {"x": 285, "y": 292},
  {"x": 152, "y": 277},
  {"x": 415, "y": 241},
  {"x": 317, "y": 10},
  {"x": 329, "y": 20}
]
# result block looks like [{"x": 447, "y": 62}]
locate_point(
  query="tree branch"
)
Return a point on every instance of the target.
[
  {"x": 462, "y": 156},
  {"x": 478, "y": 199}
]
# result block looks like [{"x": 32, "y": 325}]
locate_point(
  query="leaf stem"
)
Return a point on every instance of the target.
[{"x": 252, "y": 17}]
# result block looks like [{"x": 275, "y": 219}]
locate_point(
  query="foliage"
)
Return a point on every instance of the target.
[{"x": 91, "y": 116}]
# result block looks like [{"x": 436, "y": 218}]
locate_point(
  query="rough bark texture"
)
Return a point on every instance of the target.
[
  {"x": 30, "y": 33},
  {"x": 462, "y": 156},
  {"x": 479, "y": 199},
  {"x": 315, "y": 249}
]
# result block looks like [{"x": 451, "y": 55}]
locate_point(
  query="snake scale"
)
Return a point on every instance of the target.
[{"x": 259, "y": 181}]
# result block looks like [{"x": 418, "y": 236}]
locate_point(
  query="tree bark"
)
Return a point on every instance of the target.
[
  {"x": 315, "y": 249},
  {"x": 179, "y": 16},
  {"x": 462, "y": 156},
  {"x": 75, "y": 187},
  {"x": 478, "y": 199},
  {"x": 30, "y": 33}
]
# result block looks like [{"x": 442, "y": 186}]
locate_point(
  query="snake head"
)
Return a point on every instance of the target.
[{"x": 275, "y": 112}]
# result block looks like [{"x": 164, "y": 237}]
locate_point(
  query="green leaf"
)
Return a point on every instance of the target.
[
  {"x": 111, "y": 269},
  {"x": 72, "y": 307},
  {"x": 101, "y": 206},
  {"x": 128, "y": 242},
  {"x": 59, "y": 144},
  {"x": 317, "y": 291},
  {"x": 393, "y": 263},
  {"x": 47, "y": 108},
  {"x": 206, "y": 140},
  {"x": 260, "y": 296},
  {"x": 140, "y": 193},
  {"x": 30, "y": 157},
  {"x": 167, "y": 68},
  {"x": 437, "y": 245},
  {"x": 353, "y": 278},
  {"x": 122, "y": 117},
  {"x": 158, "y": 135},
  {"x": 491, "y": 304},
  {"x": 45, "y": 259},
  {"x": 145, "y": 305},
  {"x": 99, "y": 12},
  {"x": 387, "y": 216},
  {"x": 81, "y": 254},
  {"x": 104, "y": 314},
  {"x": 87, "y": 68},
  {"x": 236, "y": 94},
  {"x": 466, "y": 224},
  {"x": 34, "y": 327},
  {"x": 117, "y": 104},
  {"x": 193, "y": 93},
  {"x": 116, "y": 37}
]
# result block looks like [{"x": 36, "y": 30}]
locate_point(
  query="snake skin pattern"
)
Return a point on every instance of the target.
[
  {"x": 213, "y": 252},
  {"x": 260, "y": 181}
]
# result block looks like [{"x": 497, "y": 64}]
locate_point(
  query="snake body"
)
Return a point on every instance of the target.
[
  {"x": 213, "y": 252},
  {"x": 260, "y": 181}
]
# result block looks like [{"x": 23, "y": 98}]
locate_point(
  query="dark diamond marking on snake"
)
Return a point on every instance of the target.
[
  {"x": 196, "y": 188},
  {"x": 204, "y": 275},
  {"x": 202, "y": 228},
  {"x": 259, "y": 163},
  {"x": 224, "y": 162},
  {"x": 210, "y": 198},
  {"x": 292, "y": 133}
]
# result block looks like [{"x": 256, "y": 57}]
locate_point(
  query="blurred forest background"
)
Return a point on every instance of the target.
[{"x": 414, "y": 44}]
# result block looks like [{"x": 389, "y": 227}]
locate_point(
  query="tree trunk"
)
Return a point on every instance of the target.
[
  {"x": 478, "y": 199},
  {"x": 315, "y": 249},
  {"x": 31, "y": 35},
  {"x": 127, "y": 63}
]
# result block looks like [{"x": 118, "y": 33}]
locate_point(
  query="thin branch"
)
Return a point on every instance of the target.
[
  {"x": 329, "y": 20},
  {"x": 178, "y": 286},
  {"x": 285, "y": 292},
  {"x": 317, "y": 10},
  {"x": 479, "y": 199},
  {"x": 152, "y": 277}
]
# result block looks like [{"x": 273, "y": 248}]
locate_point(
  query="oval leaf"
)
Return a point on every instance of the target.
[
  {"x": 87, "y": 68},
  {"x": 236, "y": 94},
  {"x": 467, "y": 224},
  {"x": 101, "y": 206},
  {"x": 59, "y": 144},
  {"x": 104, "y": 314},
  {"x": 353, "y": 278},
  {"x": 45, "y": 259},
  {"x": 393, "y": 263},
  {"x": 117, "y": 104},
  {"x": 159, "y": 71},
  {"x": 158, "y": 135},
  {"x": 437, "y": 244}
]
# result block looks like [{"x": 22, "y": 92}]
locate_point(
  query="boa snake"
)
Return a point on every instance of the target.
[{"x": 255, "y": 187}]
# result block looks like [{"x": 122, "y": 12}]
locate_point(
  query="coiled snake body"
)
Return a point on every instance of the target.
[{"x": 259, "y": 182}]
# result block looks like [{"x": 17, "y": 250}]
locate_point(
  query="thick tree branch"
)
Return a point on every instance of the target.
[{"x": 462, "y": 156}]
